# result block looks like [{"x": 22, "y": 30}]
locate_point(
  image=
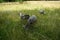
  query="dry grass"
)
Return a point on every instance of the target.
[{"x": 30, "y": 5}]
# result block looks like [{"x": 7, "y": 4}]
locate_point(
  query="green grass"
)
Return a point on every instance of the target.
[{"x": 47, "y": 26}]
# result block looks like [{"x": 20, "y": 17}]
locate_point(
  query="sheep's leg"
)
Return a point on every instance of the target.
[{"x": 26, "y": 26}]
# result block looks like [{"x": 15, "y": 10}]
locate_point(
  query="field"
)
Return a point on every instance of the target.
[{"x": 47, "y": 26}]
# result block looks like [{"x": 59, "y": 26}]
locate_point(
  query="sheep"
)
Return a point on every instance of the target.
[
  {"x": 41, "y": 11},
  {"x": 30, "y": 21},
  {"x": 24, "y": 16}
]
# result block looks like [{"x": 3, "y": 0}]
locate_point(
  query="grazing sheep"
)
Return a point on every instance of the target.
[
  {"x": 41, "y": 11},
  {"x": 30, "y": 21},
  {"x": 24, "y": 16}
]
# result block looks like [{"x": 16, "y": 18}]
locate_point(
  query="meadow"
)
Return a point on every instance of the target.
[{"x": 47, "y": 26}]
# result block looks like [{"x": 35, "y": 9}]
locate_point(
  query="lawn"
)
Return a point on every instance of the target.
[{"x": 47, "y": 26}]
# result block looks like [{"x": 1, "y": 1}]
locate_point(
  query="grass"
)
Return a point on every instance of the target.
[{"x": 47, "y": 26}]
